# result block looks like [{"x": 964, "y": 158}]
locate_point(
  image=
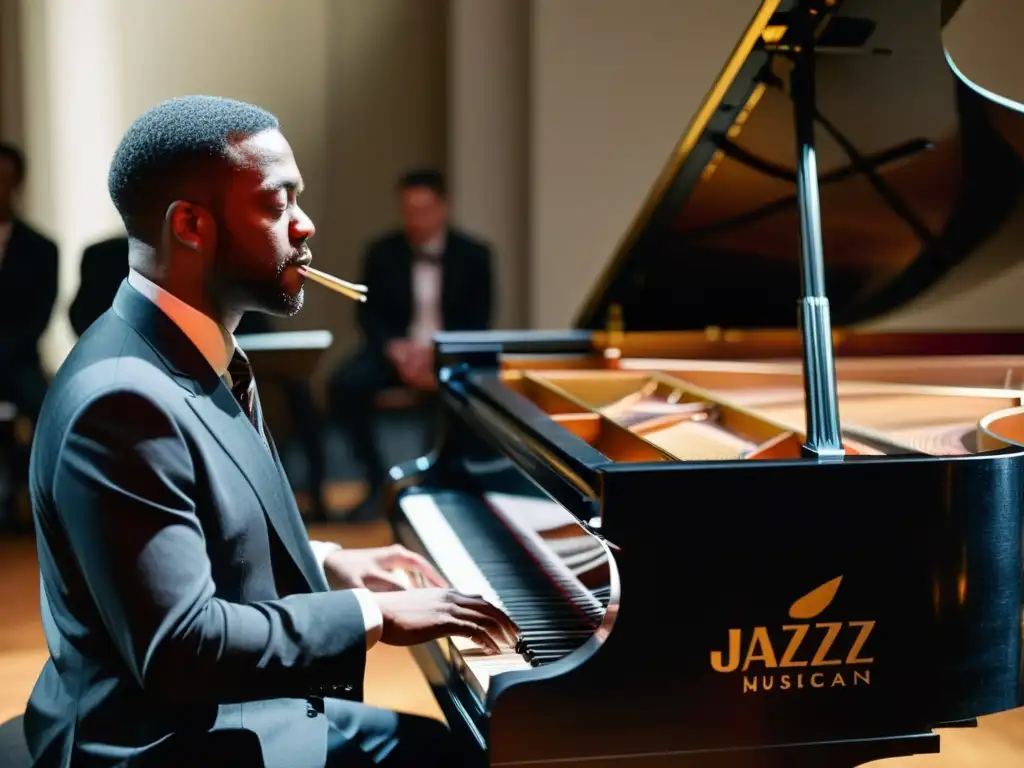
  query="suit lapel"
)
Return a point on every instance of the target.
[
  {"x": 291, "y": 518},
  {"x": 218, "y": 410},
  {"x": 227, "y": 423}
]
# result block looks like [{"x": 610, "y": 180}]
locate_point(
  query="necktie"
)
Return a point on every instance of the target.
[{"x": 243, "y": 387}]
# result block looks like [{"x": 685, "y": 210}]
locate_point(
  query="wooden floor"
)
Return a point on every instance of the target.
[{"x": 392, "y": 678}]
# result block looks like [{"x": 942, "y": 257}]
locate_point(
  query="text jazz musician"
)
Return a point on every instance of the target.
[{"x": 189, "y": 618}]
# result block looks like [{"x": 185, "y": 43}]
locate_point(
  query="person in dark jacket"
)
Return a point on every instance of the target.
[
  {"x": 104, "y": 266},
  {"x": 28, "y": 292},
  {"x": 423, "y": 278}
]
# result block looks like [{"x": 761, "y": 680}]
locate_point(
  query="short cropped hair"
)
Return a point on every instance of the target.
[
  {"x": 15, "y": 157},
  {"x": 424, "y": 177},
  {"x": 167, "y": 145}
]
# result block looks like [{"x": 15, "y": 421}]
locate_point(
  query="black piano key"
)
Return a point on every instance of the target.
[
  {"x": 543, "y": 634},
  {"x": 559, "y": 647}
]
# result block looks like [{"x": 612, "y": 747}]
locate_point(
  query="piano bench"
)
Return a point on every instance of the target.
[{"x": 13, "y": 745}]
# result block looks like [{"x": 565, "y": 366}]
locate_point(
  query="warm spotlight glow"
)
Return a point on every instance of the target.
[{"x": 73, "y": 123}]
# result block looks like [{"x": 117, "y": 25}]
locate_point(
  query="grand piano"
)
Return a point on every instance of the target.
[{"x": 749, "y": 512}]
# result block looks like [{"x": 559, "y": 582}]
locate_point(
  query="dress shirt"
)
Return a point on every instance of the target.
[
  {"x": 426, "y": 291},
  {"x": 217, "y": 345}
]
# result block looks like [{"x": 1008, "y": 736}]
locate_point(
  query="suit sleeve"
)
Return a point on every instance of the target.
[
  {"x": 373, "y": 619},
  {"x": 43, "y": 290},
  {"x": 125, "y": 489},
  {"x": 482, "y": 307}
]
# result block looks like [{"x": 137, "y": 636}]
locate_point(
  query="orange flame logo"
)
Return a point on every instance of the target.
[{"x": 815, "y": 601}]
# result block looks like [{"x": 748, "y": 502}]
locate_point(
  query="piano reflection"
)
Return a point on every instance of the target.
[{"x": 752, "y": 511}]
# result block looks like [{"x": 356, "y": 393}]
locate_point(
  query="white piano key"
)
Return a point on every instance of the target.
[{"x": 478, "y": 668}]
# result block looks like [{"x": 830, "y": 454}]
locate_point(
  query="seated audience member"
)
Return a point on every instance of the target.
[
  {"x": 104, "y": 266},
  {"x": 423, "y": 278},
  {"x": 28, "y": 291}
]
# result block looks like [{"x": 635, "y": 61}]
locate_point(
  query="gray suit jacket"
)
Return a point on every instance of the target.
[{"x": 187, "y": 619}]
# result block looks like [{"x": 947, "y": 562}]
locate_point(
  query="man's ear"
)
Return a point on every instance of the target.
[{"x": 191, "y": 225}]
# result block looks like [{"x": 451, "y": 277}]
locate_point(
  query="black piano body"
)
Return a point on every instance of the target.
[{"x": 693, "y": 590}]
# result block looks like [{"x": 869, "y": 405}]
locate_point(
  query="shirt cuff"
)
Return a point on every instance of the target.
[
  {"x": 373, "y": 619},
  {"x": 321, "y": 549}
]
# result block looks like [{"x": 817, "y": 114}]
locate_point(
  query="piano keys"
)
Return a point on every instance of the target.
[
  {"x": 486, "y": 547},
  {"x": 695, "y": 585}
]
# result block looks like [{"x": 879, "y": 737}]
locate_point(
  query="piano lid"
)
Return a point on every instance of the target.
[{"x": 918, "y": 171}]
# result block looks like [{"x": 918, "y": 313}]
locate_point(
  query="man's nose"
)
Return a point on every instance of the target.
[{"x": 302, "y": 226}]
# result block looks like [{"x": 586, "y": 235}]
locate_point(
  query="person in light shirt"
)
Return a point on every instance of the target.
[
  {"x": 189, "y": 618},
  {"x": 425, "y": 277}
]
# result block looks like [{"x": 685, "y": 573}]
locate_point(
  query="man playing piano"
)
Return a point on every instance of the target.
[{"x": 188, "y": 616}]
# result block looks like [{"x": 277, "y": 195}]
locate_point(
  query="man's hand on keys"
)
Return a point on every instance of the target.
[
  {"x": 381, "y": 569},
  {"x": 415, "y": 616}
]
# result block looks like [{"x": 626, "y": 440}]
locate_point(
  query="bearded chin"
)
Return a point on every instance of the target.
[
  {"x": 249, "y": 291},
  {"x": 273, "y": 299},
  {"x": 291, "y": 303}
]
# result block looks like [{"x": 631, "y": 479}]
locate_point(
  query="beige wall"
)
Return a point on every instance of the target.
[
  {"x": 10, "y": 71},
  {"x": 982, "y": 40},
  {"x": 614, "y": 85},
  {"x": 385, "y": 92},
  {"x": 488, "y": 138},
  {"x": 983, "y": 293},
  {"x": 359, "y": 86},
  {"x": 73, "y": 111}
]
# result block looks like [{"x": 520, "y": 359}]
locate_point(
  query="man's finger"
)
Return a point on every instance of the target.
[
  {"x": 464, "y": 628},
  {"x": 401, "y": 556},
  {"x": 491, "y": 625},
  {"x": 500, "y": 618}
]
